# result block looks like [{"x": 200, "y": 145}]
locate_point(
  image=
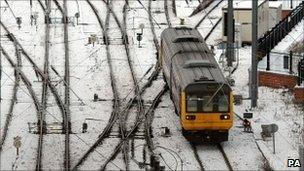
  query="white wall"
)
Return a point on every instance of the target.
[
  {"x": 275, "y": 15},
  {"x": 243, "y": 16}
]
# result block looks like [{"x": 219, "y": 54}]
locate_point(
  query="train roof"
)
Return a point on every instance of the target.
[{"x": 193, "y": 62}]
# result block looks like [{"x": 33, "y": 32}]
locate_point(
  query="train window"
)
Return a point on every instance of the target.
[
  {"x": 198, "y": 63},
  {"x": 207, "y": 104},
  {"x": 186, "y": 38},
  {"x": 192, "y": 103},
  {"x": 223, "y": 103}
]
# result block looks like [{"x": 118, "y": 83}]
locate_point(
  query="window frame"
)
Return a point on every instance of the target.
[{"x": 200, "y": 107}]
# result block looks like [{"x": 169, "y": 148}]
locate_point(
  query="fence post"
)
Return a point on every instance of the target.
[
  {"x": 290, "y": 62},
  {"x": 268, "y": 60},
  {"x": 299, "y": 74},
  {"x": 272, "y": 39},
  {"x": 281, "y": 30}
]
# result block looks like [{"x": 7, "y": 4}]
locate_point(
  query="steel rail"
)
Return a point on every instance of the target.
[
  {"x": 154, "y": 104},
  {"x": 37, "y": 106},
  {"x": 206, "y": 15},
  {"x": 227, "y": 162},
  {"x": 167, "y": 13},
  {"x": 116, "y": 103},
  {"x": 37, "y": 70},
  {"x": 198, "y": 159},
  {"x": 212, "y": 29},
  {"x": 67, "y": 123},
  {"x": 257, "y": 144},
  {"x": 130, "y": 103}
]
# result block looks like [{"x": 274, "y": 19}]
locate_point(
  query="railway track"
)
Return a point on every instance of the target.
[
  {"x": 66, "y": 117},
  {"x": 167, "y": 13},
  {"x": 220, "y": 147},
  {"x": 36, "y": 102},
  {"x": 200, "y": 161},
  {"x": 14, "y": 98},
  {"x": 116, "y": 102},
  {"x": 267, "y": 164},
  {"x": 131, "y": 102},
  {"x": 10, "y": 113},
  {"x": 44, "y": 81},
  {"x": 41, "y": 74},
  {"x": 201, "y": 6},
  {"x": 154, "y": 104},
  {"x": 212, "y": 29},
  {"x": 124, "y": 115},
  {"x": 214, "y": 25},
  {"x": 67, "y": 120},
  {"x": 149, "y": 120},
  {"x": 207, "y": 14},
  {"x": 41, "y": 5}
]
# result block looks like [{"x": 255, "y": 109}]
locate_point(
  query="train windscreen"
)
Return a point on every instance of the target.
[{"x": 208, "y": 101}]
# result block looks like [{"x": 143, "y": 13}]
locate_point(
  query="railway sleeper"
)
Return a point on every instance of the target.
[
  {"x": 138, "y": 100},
  {"x": 64, "y": 128},
  {"x": 138, "y": 135},
  {"x": 44, "y": 127}
]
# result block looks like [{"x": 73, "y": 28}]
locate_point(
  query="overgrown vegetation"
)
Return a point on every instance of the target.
[{"x": 298, "y": 47}]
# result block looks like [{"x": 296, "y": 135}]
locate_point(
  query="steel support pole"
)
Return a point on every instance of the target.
[
  {"x": 230, "y": 24},
  {"x": 301, "y": 153},
  {"x": 254, "y": 81},
  {"x": 268, "y": 61}
]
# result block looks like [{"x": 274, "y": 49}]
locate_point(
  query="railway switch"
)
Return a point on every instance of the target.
[
  {"x": 182, "y": 21},
  {"x": 139, "y": 38},
  {"x": 165, "y": 131},
  {"x": 92, "y": 39},
  {"x": 34, "y": 17},
  {"x": 142, "y": 26},
  {"x": 238, "y": 99},
  {"x": 84, "y": 127},
  {"x": 95, "y": 97},
  {"x": 19, "y": 21},
  {"x": 230, "y": 81},
  {"x": 77, "y": 15},
  {"x": 17, "y": 143}
]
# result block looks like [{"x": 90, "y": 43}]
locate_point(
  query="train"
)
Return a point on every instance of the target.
[{"x": 202, "y": 97}]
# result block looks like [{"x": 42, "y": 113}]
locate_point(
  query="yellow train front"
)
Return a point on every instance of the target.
[{"x": 201, "y": 95}]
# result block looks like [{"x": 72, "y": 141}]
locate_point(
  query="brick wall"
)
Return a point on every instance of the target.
[
  {"x": 298, "y": 94},
  {"x": 276, "y": 80},
  {"x": 285, "y": 13}
]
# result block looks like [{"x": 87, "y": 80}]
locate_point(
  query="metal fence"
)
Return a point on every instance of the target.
[
  {"x": 280, "y": 30},
  {"x": 281, "y": 62}
]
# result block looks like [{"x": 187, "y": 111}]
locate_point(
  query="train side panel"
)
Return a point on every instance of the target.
[{"x": 175, "y": 90}]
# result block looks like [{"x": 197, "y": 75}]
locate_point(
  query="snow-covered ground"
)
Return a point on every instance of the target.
[{"x": 90, "y": 74}]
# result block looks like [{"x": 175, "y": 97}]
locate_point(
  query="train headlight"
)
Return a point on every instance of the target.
[
  {"x": 190, "y": 117},
  {"x": 225, "y": 117}
]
